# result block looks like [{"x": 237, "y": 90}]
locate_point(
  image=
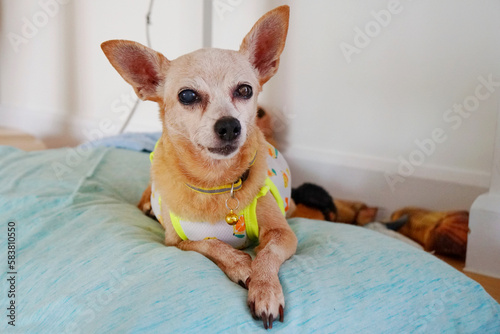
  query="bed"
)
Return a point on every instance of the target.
[{"x": 88, "y": 261}]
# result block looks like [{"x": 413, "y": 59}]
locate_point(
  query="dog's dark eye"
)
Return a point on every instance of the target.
[
  {"x": 243, "y": 91},
  {"x": 188, "y": 96},
  {"x": 261, "y": 113}
]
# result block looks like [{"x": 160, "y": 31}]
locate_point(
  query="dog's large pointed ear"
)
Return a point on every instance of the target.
[
  {"x": 265, "y": 42},
  {"x": 139, "y": 65}
]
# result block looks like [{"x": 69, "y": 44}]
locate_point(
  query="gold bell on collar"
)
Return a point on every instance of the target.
[{"x": 232, "y": 218}]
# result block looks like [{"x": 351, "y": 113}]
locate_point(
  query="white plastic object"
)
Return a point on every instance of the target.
[{"x": 483, "y": 245}]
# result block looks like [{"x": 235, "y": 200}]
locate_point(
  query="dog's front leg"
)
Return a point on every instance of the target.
[
  {"x": 233, "y": 262},
  {"x": 277, "y": 243}
]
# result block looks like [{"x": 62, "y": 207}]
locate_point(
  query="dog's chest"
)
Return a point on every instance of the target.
[
  {"x": 235, "y": 235},
  {"x": 245, "y": 231}
]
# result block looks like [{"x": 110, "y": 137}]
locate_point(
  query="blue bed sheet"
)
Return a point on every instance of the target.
[{"x": 88, "y": 261}]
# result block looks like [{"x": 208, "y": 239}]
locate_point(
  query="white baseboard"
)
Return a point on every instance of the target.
[
  {"x": 390, "y": 166},
  {"x": 364, "y": 178}
]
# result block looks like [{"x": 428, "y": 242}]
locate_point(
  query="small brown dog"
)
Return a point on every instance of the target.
[{"x": 212, "y": 158}]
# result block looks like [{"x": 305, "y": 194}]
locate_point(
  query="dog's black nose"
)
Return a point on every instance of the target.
[{"x": 227, "y": 128}]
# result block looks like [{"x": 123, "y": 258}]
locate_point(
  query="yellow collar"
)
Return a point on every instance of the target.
[{"x": 227, "y": 187}]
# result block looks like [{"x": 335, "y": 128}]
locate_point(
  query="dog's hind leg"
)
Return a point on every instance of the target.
[
  {"x": 145, "y": 202},
  {"x": 234, "y": 263}
]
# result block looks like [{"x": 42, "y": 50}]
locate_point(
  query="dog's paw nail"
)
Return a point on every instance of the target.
[
  {"x": 247, "y": 282},
  {"x": 271, "y": 321},
  {"x": 264, "y": 319},
  {"x": 251, "y": 305},
  {"x": 282, "y": 317},
  {"x": 240, "y": 282}
]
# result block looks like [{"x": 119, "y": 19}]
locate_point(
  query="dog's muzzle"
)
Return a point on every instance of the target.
[{"x": 228, "y": 130}]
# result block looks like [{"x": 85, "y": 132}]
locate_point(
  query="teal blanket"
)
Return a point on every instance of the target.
[{"x": 86, "y": 260}]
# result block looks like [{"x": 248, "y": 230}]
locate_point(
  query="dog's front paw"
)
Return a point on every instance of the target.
[
  {"x": 239, "y": 269},
  {"x": 266, "y": 300}
]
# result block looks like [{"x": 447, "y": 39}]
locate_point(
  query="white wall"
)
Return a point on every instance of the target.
[
  {"x": 34, "y": 80},
  {"x": 344, "y": 122},
  {"x": 352, "y": 118},
  {"x": 397, "y": 89},
  {"x": 60, "y": 86}
]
